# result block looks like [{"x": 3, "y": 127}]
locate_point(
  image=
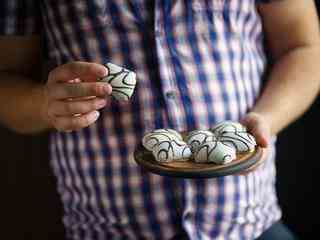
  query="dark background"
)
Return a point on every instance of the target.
[{"x": 31, "y": 209}]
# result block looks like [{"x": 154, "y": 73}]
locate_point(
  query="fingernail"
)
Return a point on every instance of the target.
[
  {"x": 95, "y": 115},
  {"x": 103, "y": 72},
  {"x": 101, "y": 103},
  {"x": 107, "y": 88}
]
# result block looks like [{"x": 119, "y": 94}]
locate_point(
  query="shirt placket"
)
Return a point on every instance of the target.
[{"x": 167, "y": 76}]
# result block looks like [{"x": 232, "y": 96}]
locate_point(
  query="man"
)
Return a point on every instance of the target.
[{"x": 198, "y": 63}]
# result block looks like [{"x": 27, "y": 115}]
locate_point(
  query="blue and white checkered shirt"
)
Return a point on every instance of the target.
[{"x": 198, "y": 62}]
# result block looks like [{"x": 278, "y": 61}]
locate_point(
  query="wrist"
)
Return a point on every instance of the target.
[{"x": 44, "y": 108}]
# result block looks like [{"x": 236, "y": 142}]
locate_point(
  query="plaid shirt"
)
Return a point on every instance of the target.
[{"x": 198, "y": 62}]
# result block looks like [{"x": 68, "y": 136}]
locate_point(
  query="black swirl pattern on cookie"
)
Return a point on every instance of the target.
[
  {"x": 227, "y": 126},
  {"x": 167, "y": 151},
  {"x": 122, "y": 81},
  {"x": 173, "y": 132},
  {"x": 197, "y": 137},
  {"x": 151, "y": 139},
  {"x": 241, "y": 141},
  {"x": 215, "y": 152}
]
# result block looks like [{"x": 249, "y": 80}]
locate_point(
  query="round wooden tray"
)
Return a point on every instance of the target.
[{"x": 191, "y": 169}]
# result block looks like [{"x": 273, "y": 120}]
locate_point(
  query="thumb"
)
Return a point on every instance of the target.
[{"x": 258, "y": 127}]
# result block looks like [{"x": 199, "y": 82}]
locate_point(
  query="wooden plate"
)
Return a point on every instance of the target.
[{"x": 191, "y": 169}]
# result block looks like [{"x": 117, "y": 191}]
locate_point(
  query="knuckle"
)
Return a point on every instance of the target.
[
  {"x": 77, "y": 90},
  {"x": 88, "y": 67},
  {"x": 72, "y": 66},
  {"x": 70, "y": 90},
  {"x": 80, "y": 108},
  {"x": 69, "y": 127},
  {"x": 77, "y": 122},
  {"x": 86, "y": 120},
  {"x": 78, "y": 67},
  {"x": 68, "y": 107},
  {"x": 97, "y": 89},
  {"x": 94, "y": 105},
  {"x": 57, "y": 124}
]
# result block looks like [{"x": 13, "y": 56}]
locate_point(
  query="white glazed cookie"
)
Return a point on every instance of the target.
[
  {"x": 167, "y": 151},
  {"x": 197, "y": 137},
  {"x": 227, "y": 126},
  {"x": 241, "y": 141},
  {"x": 173, "y": 132},
  {"x": 151, "y": 139},
  {"x": 122, "y": 81},
  {"x": 215, "y": 152}
]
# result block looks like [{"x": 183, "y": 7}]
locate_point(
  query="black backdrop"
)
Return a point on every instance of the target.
[{"x": 31, "y": 210}]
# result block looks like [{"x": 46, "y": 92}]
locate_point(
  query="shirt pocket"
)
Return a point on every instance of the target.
[
  {"x": 218, "y": 16},
  {"x": 237, "y": 19},
  {"x": 242, "y": 18},
  {"x": 214, "y": 17},
  {"x": 196, "y": 23},
  {"x": 118, "y": 15},
  {"x": 203, "y": 23}
]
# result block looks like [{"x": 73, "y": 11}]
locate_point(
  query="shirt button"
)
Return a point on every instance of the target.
[{"x": 171, "y": 95}]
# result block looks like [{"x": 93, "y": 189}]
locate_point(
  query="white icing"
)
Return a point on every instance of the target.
[
  {"x": 123, "y": 81},
  {"x": 241, "y": 141},
  {"x": 151, "y": 139},
  {"x": 228, "y": 126},
  {"x": 167, "y": 151},
  {"x": 197, "y": 137},
  {"x": 215, "y": 152},
  {"x": 174, "y": 132}
]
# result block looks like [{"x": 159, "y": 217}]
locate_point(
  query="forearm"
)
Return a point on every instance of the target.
[
  {"x": 22, "y": 104},
  {"x": 293, "y": 85}
]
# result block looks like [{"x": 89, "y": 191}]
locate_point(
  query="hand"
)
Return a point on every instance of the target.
[
  {"x": 73, "y": 95},
  {"x": 260, "y": 128}
]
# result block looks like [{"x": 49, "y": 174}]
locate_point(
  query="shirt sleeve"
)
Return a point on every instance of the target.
[{"x": 20, "y": 17}]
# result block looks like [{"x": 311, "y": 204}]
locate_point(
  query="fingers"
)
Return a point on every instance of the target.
[
  {"x": 73, "y": 95},
  {"x": 74, "y": 115},
  {"x": 78, "y": 122},
  {"x": 61, "y": 91},
  {"x": 260, "y": 134},
  {"x": 86, "y": 71},
  {"x": 71, "y": 108},
  {"x": 68, "y": 81},
  {"x": 258, "y": 127}
]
